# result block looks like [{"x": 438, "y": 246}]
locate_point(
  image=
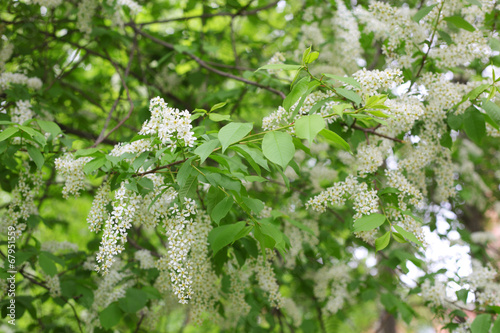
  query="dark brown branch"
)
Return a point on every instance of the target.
[{"x": 372, "y": 131}]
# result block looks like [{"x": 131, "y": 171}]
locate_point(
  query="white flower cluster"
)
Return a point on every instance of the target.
[
  {"x": 134, "y": 7},
  {"x": 297, "y": 238},
  {"x": 86, "y": 10},
  {"x": 21, "y": 112},
  {"x": 54, "y": 246},
  {"x": 170, "y": 125},
  {"x": 110, "y": 288},
  {"x": 372, "y": 81},
  {"x": 369, "y": 158},
  {"x": 330, "y": 284},
  {"x": 482, "y": 237},
  {"x": 151, "y": 213},
  {"x": 311, "y": 35},
  {"x": 22, "y": 203},
  {"x": 277, "y": 58},
  {"x": 236, "y": 305},
  {"x": 365, "y": 201},
  {"x": 435, "y": 294},
  {"x": 281, "y": 117},
  {"x": 467, "y": 47},
  {"x": 397, "y": 180},
  {"x": 5, "y": 51},
  {"x": 119, "y": 221},
  {"x": 136, "y": 147},
  {"x": 53, "y": 284},
  {"x": 72, "y": 172},
  {"x": 267, "y": 279},
  {"x": 397, "y": 27},
  {"x": 98, "y": 213},
  {"x": 482, "y": 282},
  {"x": 8, "y": 78},
  {"x": 48, "y": 3},
  {"x": 404, "y": 110},
  {"x": 292, "y": 310},
  {"x": 180, "y": 228},
  {"x": 205, "y": 282},
  {"x": 347, "y": 38},
  {"x": 145, "y": 259}
]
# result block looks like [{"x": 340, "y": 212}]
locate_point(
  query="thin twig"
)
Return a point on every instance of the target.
[
  {"x": 208, "y": 67},
  {"x": 103, "y": 136},
  {"x": 372, "y": 131}
]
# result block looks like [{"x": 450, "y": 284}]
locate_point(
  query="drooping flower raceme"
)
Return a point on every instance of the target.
[{"x": 173, "y": 127}]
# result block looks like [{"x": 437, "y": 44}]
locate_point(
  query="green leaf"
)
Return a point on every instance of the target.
[
  {"x": 271, "y": 230},
  {"x": 408, "y": 235},
  {"x": 85, "y": 152},
  {"x": 378, "y": 113},
  {"x": 224, "y": 235},
  {"x": 308, "y": 127},
  {"x": 254, "y": 204},
  {"x": 186, "y": 171},
  {"x": 312, "y": 57},
  {"x": 218, "y": 106},
  {"x": 462, "y": 295},
  {"x": 474, "y": 125},
  {"x": 299, "y": 89},
  {"x": 335, "y": 139},
  {"x": 398, "y": 238},
  {"x": 47, "y": 264},
  {"x": 492, "y": 110},
  {"x": 350, "y": 95},
  {"x": 445, "y": 36},
  {"x": 496, "y": 326},
  {"x": 36, "y": 156},
  {"x": 278, "y": 148},
  {"x": 474, "y": 93},
  {"x": 139, "y": 161},
  {"x": 206, "y": 149},
  {"x": 382, "y": 242},
  {"x": 232, "y": 133},
  {"x": 460, "y": 23},
  {"x": 110, "y": 316},
  {"x": 188, "y": 190},
  {"x": 94, "y": 164},
  {"x": 7, "y": 133},
  {"x": 300, "y": 225},
  {"x": 49, "y": 127},
  {"x": 481, "y": 324},
  {"x": 349, "y": 80},
  {"x": 306, "y": 54},
  {"x": 256, "y": 155},
  {"x": 475, "y": 2},
  {"x": 218, "y": 117},
  {"x": 368, "y": 222},
  {"x": 446, "y": 140},
  {"x": 422, "y": 13},
  {"x": 455, "y": 121},
  {"x": 221, "y": 209},
  {"x": 146, "y": 185},
  {"x": 280, "y": 66},
  {"x": 134, "y": 300}
]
